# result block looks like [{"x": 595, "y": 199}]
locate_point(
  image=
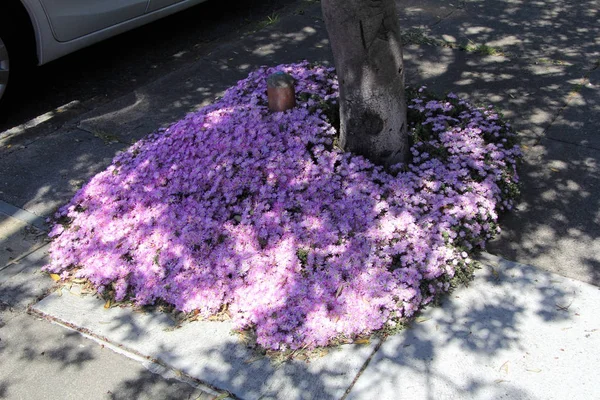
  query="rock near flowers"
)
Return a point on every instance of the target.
[{"x": 280, "y": 92}]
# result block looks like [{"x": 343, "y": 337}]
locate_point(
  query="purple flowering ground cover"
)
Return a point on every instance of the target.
[{"x": 259, "y": 215}]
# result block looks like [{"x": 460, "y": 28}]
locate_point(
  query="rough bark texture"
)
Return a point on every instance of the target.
[{"x": 365, "y": 39}]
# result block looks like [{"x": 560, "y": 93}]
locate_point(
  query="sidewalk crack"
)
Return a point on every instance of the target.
[
  {"x": 571, "y": 143},
  {"x": 362, "y": 369}
]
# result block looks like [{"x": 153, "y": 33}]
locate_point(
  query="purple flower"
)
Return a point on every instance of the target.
[{"x": 237, "y": 208}]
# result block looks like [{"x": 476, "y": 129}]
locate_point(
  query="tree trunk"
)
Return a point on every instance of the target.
[{"x": 365, "y": 39}]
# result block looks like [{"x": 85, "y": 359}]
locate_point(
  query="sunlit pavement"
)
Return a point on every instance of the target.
[{"x": 521, "y": 330}]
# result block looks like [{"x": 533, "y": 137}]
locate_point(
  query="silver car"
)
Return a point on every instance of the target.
[{"x": 39, "y": 31}]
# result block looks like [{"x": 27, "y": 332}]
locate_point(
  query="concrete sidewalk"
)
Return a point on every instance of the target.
[
  {"x": 516, "y": 332},
  {"x": 522, "y": 330}
]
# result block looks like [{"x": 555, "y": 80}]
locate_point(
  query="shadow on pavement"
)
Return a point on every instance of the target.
[
  {"x": 539, "y": 64},
  {"x": 485, "y": 341},
  {"x": 43, "y": 360},
  {"x": 540, "y": 67},
  {"x": 117, "y": 66}
]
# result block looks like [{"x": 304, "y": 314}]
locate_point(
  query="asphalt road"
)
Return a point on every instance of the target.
[{"x": 107, "y": 70}]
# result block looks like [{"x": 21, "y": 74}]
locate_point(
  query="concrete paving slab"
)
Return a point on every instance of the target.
[
  {"x": 22, "y": 283},
  {"x": 209, "y": 352},
  {"x": 522, "y": 329},
  {"x": 17, "y": 239},
  {"x": 423, "y": 14},
  {"x": 23, "y": 216},
  {"x": 39, "y": 360},
  {"x": 517, "y": 333},
  {"x": 529, "y": 95},
  {"x": 556, "y": 225},
  {"x": 296, "y": 37},
  {"x": 23, "y": 135},
  {"x": 579, "y": 123},
  {"x": 162, "y": 102},
  {"x": 46, "y": 174},
  {"x": 556, "y": 30}
]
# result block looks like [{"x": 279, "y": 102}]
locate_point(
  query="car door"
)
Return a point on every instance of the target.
[
  {"x": 158, "y": 4},
  {"x": 71, "y": 19}
]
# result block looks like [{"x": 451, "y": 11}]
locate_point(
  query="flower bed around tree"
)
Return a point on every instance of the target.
[{"x": 260, "y": 215}]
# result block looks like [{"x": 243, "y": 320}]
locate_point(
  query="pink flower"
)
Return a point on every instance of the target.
[{"x": 239, "y": 207}]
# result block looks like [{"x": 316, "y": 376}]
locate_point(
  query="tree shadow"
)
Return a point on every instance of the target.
[
  {"x": 563, "y": 31},
  {"x": 41, "y": 359},
  {"x": 501, "y": 316},
  {"x": 28, "y": 347},
  {"x": 147, "y": 384},
  {"x": 516, "y": 85},
  {"x": 22, "y": 283},
  {"x": 70, "y": 86},
  {"x": 546, "y": 85},
  {"x": 493, "y": 324}
]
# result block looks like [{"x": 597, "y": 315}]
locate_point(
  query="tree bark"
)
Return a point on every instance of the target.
[{"x": 367, "y": 50}]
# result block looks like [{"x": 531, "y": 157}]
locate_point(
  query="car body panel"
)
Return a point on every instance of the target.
[
  {"x": 71, "y": 19},
  {"x": 49, "y": 48},
  {"x": 158, "y": 4}
]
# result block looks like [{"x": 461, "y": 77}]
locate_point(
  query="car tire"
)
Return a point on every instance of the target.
[
  {"x": 15, "y": 55},
  {"x": 5, "y": 65}
]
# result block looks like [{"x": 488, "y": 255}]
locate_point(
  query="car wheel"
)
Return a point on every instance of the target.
[
  {"x": 15, "y": 54},
  {"x": 4, "y": 68}
]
